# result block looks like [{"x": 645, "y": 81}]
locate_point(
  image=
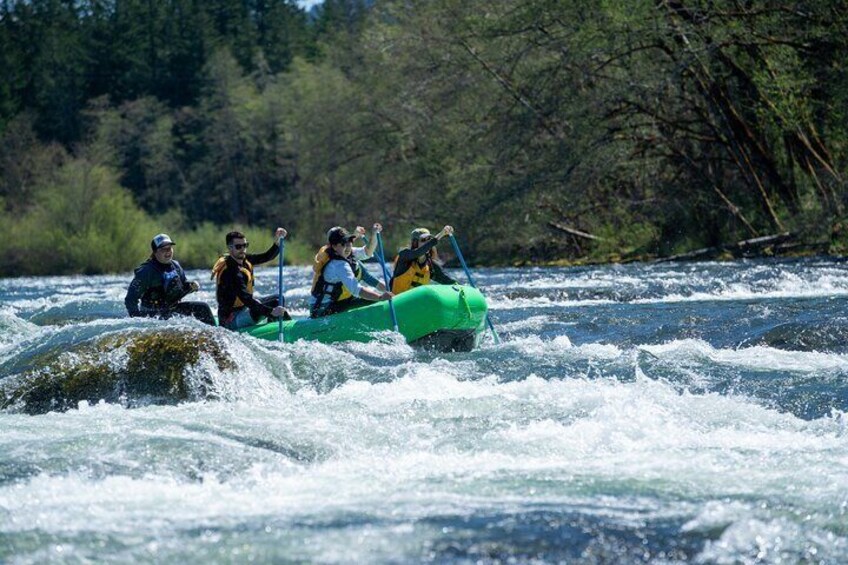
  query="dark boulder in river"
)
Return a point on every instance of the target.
[{"x": 134, "y": 368}]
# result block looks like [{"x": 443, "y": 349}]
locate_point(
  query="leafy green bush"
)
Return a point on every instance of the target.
[{"x": 84, "y": 221}]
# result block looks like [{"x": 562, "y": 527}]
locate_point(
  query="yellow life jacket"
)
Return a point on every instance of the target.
[
  {"x": 416, "y": 275},
  {"x": 321, "y": 260},
  {"x": 220, "y": 266},
  {"x": 326, "y": 294}
]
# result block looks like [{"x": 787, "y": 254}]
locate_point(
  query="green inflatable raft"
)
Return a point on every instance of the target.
[{"x": 442, "y": 317}]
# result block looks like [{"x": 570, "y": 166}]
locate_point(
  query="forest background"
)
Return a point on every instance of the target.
[{"x": 543, "y": 130}]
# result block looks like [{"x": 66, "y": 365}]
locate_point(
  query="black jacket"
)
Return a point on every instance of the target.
[
  {"x": 408, "y": 256},
  {"x": 159, "y": 287},
  {"x": 232, "y": 284}
]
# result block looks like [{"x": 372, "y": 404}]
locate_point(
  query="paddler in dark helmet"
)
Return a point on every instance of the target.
[
  {"x": 233, "y": 274},
  {"x": 336, "y": 285},
  {"x": 160, "y": 283},
  {"x": 418, "y": 264}
]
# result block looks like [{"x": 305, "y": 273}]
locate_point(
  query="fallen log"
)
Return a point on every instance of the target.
[
  {"x": 764, "y": 241},
  {"x": 704, "y": 253},
  {"x": 574, "y": 232},
  {"x": 745, "y": 248}
]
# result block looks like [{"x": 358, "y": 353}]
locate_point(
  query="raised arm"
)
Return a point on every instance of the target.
[
  {"x": 272, "y": 251},
  {"x": 408, "y": 255}
]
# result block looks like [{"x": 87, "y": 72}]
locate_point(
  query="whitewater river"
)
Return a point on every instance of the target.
[{"x": 640, "y": 413}]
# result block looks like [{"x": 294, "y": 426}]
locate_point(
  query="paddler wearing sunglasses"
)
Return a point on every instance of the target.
[{"x": 233, "y": 274}]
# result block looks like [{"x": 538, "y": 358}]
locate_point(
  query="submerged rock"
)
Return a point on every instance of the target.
[{"x": 136, "y": 368}]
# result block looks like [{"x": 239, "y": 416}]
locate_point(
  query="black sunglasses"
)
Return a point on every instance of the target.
[{"x": 239, "y": 246}]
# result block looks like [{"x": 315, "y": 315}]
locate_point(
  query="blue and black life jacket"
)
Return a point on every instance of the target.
[{"x": 168, "y": 291}]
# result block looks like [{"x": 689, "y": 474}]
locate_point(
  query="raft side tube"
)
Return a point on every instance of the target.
[{"x": 421, "y": 312}]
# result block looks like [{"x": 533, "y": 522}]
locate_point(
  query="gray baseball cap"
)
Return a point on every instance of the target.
[{"x": 161, "y": 240}]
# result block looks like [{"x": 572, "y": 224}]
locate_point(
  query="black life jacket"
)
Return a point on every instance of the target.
[{"x": 171, "y": 290}]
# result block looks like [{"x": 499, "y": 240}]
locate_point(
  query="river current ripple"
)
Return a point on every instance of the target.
[{"x": 638, "y": 413}]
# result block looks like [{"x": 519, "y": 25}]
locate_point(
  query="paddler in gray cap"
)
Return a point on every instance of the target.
[{"x": 160, "y": 284}]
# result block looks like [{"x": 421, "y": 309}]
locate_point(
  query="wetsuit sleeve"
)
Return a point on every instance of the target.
[
  {"x": 368, "y": 278},
  {"x": 134, "y": 293},
  {"x": 139, "y": 285},
  {"x": 439, "y": 275},
  {"x": 408, "y": 255},
  {"x": 256, "y": 307},
  {"x": 183, "y": 277},
  {"x": 264, "y": 257},
  {"x": 183, "y": 280}
]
